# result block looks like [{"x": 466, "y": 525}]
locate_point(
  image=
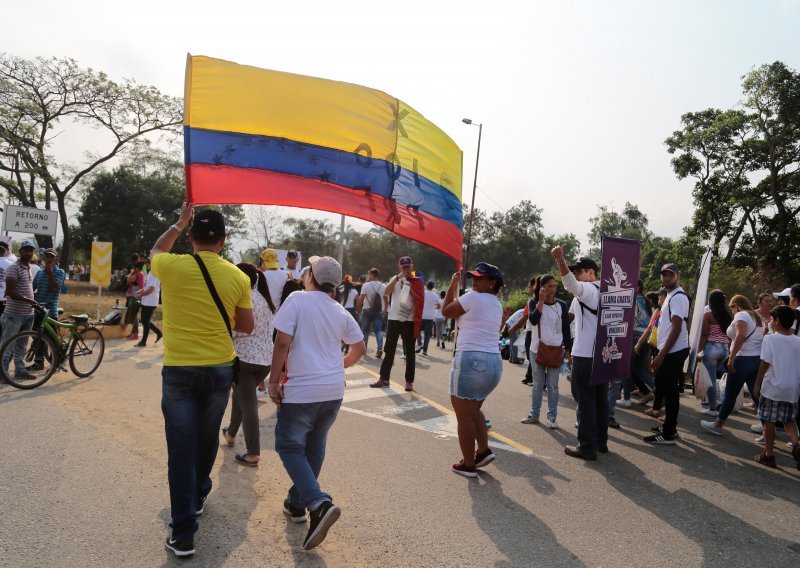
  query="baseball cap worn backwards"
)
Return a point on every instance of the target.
[
  {"x": 584, "y": 263},
  {"x": 326, "y": 270},
  {"x": 485, "y": 269},
  {"x": 785, "y": 293},
  {"x": 270, "y": 258},
  {"x": 208, "y": 224}
]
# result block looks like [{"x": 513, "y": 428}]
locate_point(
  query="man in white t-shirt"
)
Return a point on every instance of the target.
[
  {"x": 592, "y": 412},
  {"x": 275, "y": 277},
  {"x": 149, "y": 296},
  {"x": 673, "y": 349},
  {"x": 371, "y": 305},
  {"x": 291, "y": 264},
  {"x": 310, "y": 328},
  {"x": 428, "y": 313},
  {"x": 405, "y": 319}
]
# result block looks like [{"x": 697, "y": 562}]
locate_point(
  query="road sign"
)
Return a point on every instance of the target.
[
  {"x": 101, "y": 263},
  {"x": 30, "y": 220}
]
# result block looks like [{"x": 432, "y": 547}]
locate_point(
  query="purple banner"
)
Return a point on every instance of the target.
[{"x": 613, "y": 346}]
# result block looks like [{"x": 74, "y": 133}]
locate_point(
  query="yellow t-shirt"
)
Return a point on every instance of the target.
[{"x": 194, "y": 331}]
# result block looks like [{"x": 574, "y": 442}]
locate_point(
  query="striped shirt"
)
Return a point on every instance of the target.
[
  {"x": 22, "y": 274},
  {"x": 43, "y": 295},
  {"x": 716, "y": 335}
]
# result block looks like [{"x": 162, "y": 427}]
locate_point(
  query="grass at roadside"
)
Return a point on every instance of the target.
[{"x": 81, "y": 298}]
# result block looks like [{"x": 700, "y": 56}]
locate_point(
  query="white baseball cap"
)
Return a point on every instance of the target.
[
  {"x": 326, "y": 270},
  {"x": 784, "y": 294}
]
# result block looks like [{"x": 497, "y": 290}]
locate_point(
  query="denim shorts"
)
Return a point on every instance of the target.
[{"x": 475, "y": 374}]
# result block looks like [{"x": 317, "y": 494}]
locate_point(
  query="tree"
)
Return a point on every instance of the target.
[
  {"x": 710, "y": 149},
  {"x": 264, "y": 226},
  {"x": 746, "y": 166},
  {"x": 132, "y": 210},
  {"x": 38, "y": 97},
  {"x": 630, "y": 224}
]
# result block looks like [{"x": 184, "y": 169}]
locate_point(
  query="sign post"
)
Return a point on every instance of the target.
[
  {"x": 100, "y": 268},
  {"x": 30, "y": 220},
  {"x": 614, "y": 344}
]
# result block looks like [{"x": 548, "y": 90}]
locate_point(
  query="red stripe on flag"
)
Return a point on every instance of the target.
[{"x": 219, "y": 185}]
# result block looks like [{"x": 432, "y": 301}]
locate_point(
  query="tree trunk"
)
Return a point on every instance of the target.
[{"x": 62, "y": 213}]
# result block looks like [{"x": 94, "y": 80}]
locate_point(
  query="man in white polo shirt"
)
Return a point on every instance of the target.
[
  {"x": 580, "y": 281},
  {"x": 673, "y": 349}
]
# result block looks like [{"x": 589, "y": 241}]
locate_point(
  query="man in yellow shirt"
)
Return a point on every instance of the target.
[{"x": 198, "y": 360}]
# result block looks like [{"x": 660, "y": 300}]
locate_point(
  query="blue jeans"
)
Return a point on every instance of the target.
[
  {"x": 592, "y": 406},
  {"x": 193, "y": 401},
  {"x": 540, "y": 375},
  {"x": 638, "y": 375},
  {"x": 427, "y": 331},
  {"x": 746, "y": 371},
  {"x": 713, "y": 356},
  {"x": 372, "y": 318},
  {"x": 300, "y": 437},
  {"x": 12, "y": 325}
]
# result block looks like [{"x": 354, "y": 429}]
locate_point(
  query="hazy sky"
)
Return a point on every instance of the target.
[{"x": 576, "y": 97}]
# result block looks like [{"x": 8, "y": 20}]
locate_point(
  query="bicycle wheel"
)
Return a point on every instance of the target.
[
  {"x": 86, "y": 351},
  {"x": 28, "y": 359}
]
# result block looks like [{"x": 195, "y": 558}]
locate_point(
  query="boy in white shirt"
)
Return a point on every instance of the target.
[
  {"x": 310, "y": 328},
  {"x": 778, "y": 383}
]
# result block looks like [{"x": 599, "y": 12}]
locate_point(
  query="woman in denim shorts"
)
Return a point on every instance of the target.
[{"x": 477, "y": 365}]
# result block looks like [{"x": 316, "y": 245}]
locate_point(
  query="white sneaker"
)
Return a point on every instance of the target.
[
  {"x": 760, "y": 441},
  {"x": 711, "y": 427},
  {"x": 625, "y": 403},
  {"x": 709, "y": 412},
  {"x": 262, "y": 394},
  {"x": 552, "y": 424},
  {"x": 757, "y": 428}
]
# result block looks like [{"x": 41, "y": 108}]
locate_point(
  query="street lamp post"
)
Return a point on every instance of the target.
[{"x": 472, "y": 204}]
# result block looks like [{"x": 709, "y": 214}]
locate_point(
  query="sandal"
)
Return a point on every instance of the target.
[
  {"x": 653, "y": 412},
  {"x": 766, "y": 460},
  {"x": 230, "y": 440},
  {"x": 242, "y": 459}
]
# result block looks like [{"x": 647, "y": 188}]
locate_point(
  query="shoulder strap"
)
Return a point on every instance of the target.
[
  {"x": 213, "y": 292},
  {"x": 669, "y": 305}
]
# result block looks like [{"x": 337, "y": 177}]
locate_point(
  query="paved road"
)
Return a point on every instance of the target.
[{"x": 83, "y": 470}]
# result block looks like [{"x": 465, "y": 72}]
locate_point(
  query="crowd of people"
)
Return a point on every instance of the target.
[{"x": 287, "y": 334}]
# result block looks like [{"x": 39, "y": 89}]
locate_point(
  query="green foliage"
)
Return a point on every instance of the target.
[
  {"x": 516, "y": 300},
  {"x": 39, "y": 97},
  {"x": 746, "y": 166},
  {"x": 630, "y": 224},
  {"x": 132, "y": 210}
]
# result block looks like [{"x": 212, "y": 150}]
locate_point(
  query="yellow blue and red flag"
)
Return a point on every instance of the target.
[{"x": 266, "y": 137}]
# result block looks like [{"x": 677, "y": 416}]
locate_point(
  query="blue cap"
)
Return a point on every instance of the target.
[
  {"x": 485, "y": 269},
  {"x": 27, "y": 243}
]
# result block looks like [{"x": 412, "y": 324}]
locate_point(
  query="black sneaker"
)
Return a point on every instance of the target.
[
  {"x": 485, "y": 458},
  {"x": 612, "y": 423},
  {"x": 297, "y": 514},
  {"x": 35, "y": 367},
  {"x": 660, "y": 430},
  {"x": 321, "y": 519},
  {"x": 181, "y": 548},
  {"x": 603, "y": 449},
  {"x": 660, "y": 440},
  {"x": 201, "y": 505},
  {"x": 378, "y": 354},
  {"x": 379, "y": 384},
  {"x": 528, "y": 382}
]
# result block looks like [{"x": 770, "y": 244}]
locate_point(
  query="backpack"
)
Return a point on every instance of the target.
[
  {"x": 374, "y": 299},
  {"x": 585, "y": 307}
]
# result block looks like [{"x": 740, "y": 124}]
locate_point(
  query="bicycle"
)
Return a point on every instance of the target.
[{"x": 29, "y": 358}]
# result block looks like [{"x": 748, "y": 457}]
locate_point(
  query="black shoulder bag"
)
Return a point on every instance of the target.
[{"x": 221, "y": 309}]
